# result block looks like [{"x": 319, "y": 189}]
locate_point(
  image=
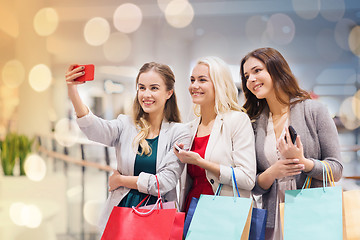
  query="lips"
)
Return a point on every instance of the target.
[
  {"x": 257, "y": 86},
  {"x": 196, "y": 93},
  {"x": 148, "y": 102}
]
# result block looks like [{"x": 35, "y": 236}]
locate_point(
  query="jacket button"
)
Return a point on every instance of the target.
[{"x": 212, "y": 181}]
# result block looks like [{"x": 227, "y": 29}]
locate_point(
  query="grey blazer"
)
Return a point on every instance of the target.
[
  {"x": 120, "y": 134},
  {"x": 319, "y": 137}
]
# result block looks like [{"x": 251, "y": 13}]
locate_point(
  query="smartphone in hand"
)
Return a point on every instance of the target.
[
  {"x": 177, "y": 147},
  {"x": 293, "y": 134},
  {"x": 89, "y": 73}
]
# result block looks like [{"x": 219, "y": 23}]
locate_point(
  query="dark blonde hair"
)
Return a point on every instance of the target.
[
  {"x": 171, "y": 110},
  {"x": 281, "y": 75}
]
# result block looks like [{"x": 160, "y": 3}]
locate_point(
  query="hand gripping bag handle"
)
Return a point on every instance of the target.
[
  {"x": 159, "y": 201},
  {"x": 234, "y": 185}
]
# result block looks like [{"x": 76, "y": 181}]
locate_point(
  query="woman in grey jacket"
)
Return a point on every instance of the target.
[
  {"x": 274, "y": 101},
  {"x": 143, "y": 142}
]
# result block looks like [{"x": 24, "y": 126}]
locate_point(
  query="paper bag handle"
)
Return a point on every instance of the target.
[{"x": 158, "y": 202}]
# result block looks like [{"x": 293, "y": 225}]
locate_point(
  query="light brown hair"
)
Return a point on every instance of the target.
[{"x": 171, "y": 110}]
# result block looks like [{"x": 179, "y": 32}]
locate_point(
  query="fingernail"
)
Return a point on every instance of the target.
[
  {"x": 82, "y": 67},
  {"x": 83, "y": 73}
]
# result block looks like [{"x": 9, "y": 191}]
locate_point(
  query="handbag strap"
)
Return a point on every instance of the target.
[
  {"x": 329, "y": 174},
  {"x": 158, "y": 202},
  {"x": 234, "y": 183}
]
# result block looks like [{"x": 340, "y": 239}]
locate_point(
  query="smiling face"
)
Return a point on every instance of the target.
[
  {"x": 258, "y": 79},
  {"x": 152, "y": 93},
  {"x": 202, "y": 88}
]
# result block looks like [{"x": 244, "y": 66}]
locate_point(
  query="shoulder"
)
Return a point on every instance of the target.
[
  {"x": 125, "y": 119},
  {"x": 179, "y": 128},
  {"x": 235, "y": 115},
  {"x": 237, "y": 121},
  {"x": 313, "y": 107}
]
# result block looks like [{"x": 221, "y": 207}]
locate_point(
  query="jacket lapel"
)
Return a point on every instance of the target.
[{"x": 162, "y": 141}]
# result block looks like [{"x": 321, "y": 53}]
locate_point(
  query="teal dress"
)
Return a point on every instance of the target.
[{"x": 147, "y": 164}]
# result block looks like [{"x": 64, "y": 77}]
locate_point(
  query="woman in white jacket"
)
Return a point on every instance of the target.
[
  {"x": 143, "y": 142},
  {"x": 222, "y": 136}
]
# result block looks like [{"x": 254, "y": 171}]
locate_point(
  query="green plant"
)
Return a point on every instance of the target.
[
  {"x": 24, "y": 149},
  {"x": 12, "y": 147},
  {"x": 9, "y": 149}
]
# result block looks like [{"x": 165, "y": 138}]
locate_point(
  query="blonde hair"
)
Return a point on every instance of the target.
[
  {"x": 226, "y": 93},
  {"x": 171, "y": 110}
]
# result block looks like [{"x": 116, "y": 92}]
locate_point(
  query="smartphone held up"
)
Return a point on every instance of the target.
[
  {"x": 293, "y": 134},
  {"x": 89, "y": 70}
]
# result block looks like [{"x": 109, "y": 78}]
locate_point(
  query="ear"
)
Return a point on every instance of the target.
[{"x": 169, "y": 94}]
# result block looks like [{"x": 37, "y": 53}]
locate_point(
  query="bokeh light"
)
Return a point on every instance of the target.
[
  {"x": 40, "y": 77},
  {"x": 13, "y": 73},
  {"x": 355, "y": 104},
  {"x": 67, "y": 132},
  {"x": 306, "y": 9},
  {"x": 281, "y": 29},
  {"x": 35, "y": 167},
  {"x": 179, "y": 13},
  {"x": 127, "y": 18},
  {"x": 347, "y": 115},
  {"x": 163, "y": 4},
  {"x": 32, "y": 216},
  {"x": 92, "y": 211},
  {"x": 15, "y": 212},
  {"x": 118, "y": 47},
  {"x": 96, "y": 31},
  {"x": 46, "y": 21},
  {"x": 326, "y": 45},
  {"x": 354, "y": 40},
  {"x": 342, "y": 32},
  {"x": 332, "y": 10}
]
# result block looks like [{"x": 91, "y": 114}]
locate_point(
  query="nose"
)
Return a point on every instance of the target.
[
  {"x": 147, "y": 93},
  {"x": 251, "y": 78},
  {"x": 194, "y": 84}
]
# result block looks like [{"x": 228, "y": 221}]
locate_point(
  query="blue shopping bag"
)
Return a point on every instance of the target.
[
  {"x": 314, "y": 213},
  {"x": 190, "y": 214},
  {"x": 221, "y": 217},
  {"x": 258, "y": 224}
]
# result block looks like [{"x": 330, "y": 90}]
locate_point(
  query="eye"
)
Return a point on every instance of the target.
[
  {"x": 203, "y": 80},
  {"x": 246, "y": 77},
  {"x": 154, "y": 88},
  {"x": 141, "y": 88},
  {"x": 192, "y": 80},
  {"x": 257, "y": 70}
]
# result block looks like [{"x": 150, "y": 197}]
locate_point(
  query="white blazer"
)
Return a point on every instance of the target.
[
  {"x": 231, "y": 144},
  {"x": 120, "y": 134}
]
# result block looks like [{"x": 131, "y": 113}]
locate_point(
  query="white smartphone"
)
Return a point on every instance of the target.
[{"x": 177, "y": 147}]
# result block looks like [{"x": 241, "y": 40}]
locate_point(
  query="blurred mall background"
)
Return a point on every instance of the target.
[{"x": 66, "y": 182}]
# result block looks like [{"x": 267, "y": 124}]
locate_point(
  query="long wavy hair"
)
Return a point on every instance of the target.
[
  {"x": 282, "y": 77},
  {"x": 226, "y": 93},
  {"x": 171, "y": 110}
]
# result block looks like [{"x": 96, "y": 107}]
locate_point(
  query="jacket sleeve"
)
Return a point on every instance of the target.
[
  {"x": 169, "y": 171},
  {"x": 99, "y": 130},
  {"x": 243, "y": 154},
  {"x": 328, "y": 140}
]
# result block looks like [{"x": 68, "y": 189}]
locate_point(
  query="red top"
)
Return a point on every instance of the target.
[{"x": 200, "y": 183}]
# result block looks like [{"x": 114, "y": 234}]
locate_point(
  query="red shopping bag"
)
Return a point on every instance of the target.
[
  {"x": 137, "y": 224},
  {"x": 131, "y": 224}
]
